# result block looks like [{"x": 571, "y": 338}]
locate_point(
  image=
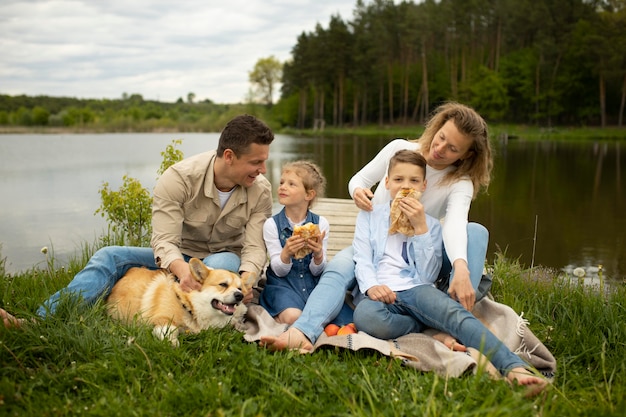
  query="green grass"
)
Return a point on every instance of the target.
[{"x": 80, "y": 362}]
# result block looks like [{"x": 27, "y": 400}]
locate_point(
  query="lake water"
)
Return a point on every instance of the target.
[{"x": 555, "y": 204}]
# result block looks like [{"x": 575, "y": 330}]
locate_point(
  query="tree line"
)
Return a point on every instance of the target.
[
  {"x": 540, "y": 62},
  {"x": 543, "y": 62},
  {"x": 131, "y": 112}
]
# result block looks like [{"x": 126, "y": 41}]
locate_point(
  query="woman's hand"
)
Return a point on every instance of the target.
[
  {"x": 363, "y": 198},
  {"x": 381, "y": 293},
  {"x": 461, "y": 288}
]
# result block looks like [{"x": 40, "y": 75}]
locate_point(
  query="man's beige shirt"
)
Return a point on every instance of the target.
[{"x": 187, "y": 219}]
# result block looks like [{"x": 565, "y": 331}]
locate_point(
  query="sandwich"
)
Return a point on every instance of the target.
[
  {"x": 306, "y": 231},
  {"x": 399, "y": 221}
]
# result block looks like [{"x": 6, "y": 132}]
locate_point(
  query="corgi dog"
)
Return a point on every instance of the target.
[{"x": 155, "y": 297}]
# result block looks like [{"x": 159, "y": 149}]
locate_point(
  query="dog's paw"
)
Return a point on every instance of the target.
[{"x": 168, "y": 332}]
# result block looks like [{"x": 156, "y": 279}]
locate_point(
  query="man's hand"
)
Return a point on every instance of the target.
[
  {"x": 249, "y": 280},
  {"x": 363, "y": 198},
  {"x": 188, "y": 283},
  {"x": 381, "y": 293},
  {"x": 461, "y": 288}
]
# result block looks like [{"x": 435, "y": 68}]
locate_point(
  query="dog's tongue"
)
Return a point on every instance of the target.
[{"x": 224, "y": 308}]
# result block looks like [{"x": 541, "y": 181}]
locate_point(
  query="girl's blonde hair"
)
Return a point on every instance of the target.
[
  {"x": 311, "y": 175},
  {"x": 478, "y": 162}
]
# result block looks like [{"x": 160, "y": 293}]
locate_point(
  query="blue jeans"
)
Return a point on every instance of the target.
[
  {"x": 110, "y": 263},
  {"x": 327, "y": 299},
  {"x": 424, "y": 307}
]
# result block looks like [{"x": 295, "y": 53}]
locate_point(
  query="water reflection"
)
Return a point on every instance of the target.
[{"x": 556, "y": 204}]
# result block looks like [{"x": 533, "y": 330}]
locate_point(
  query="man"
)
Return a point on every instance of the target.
[{"x": 210, "y": 206}]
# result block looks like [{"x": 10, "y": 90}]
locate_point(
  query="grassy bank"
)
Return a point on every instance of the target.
[
  {"x": 500, "y": 131},
  {"x": 81, "y": 362}
]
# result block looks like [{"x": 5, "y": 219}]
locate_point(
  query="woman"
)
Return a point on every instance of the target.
[{"x": 456, "y": 146}]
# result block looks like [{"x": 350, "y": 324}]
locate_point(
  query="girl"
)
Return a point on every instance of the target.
[{"x": 291, "y": 280}]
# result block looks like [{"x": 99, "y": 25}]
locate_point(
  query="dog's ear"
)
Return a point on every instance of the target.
[{"x": 198, "y": 269}]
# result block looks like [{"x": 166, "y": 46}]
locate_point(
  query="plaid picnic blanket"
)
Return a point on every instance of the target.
[{"x": 422, "y": 352}]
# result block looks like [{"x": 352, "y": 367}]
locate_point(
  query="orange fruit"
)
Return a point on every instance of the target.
[
  {"x": 347, "y": 329},
  {"x": 331, "y": 329}
]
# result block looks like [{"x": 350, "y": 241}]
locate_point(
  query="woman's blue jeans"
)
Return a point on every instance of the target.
[
  {"x": 110, "y": 263},
  {"x": 425, "y": 306},
  {"x": 327, "y": 299}
]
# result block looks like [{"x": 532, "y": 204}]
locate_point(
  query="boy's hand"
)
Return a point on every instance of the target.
[
  {"x": 414, "y": 211},
  {"x": 381, "y": 293}
]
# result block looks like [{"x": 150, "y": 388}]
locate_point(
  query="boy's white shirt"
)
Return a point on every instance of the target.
[
  {"x": 449, "y": 203},
  {"x": 378, "y": 256}
]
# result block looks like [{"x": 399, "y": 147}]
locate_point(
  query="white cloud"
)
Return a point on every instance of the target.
[{"x": 159, "y": 49}]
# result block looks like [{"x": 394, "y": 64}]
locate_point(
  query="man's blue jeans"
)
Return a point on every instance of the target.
[
  {"x": 425, "y": 306},
  {"x": 110, "y": 263},
  {"x": 327, "y": 298}
]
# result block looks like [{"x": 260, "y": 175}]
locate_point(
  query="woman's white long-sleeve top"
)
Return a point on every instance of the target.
[{"x": 449, "y": 203}]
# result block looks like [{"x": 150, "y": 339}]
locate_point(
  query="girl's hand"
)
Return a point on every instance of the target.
[
  {"x": 317, "y": 246},
  {"x": 363, "y": 198},
  {"x": 381, "y": 293},
  {"x": 292, "y": 245}
]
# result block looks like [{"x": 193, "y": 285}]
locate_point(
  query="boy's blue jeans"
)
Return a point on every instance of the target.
[
  {"x": 327, "y": 299},
  {"x": 425, "y": 306},
  {"x": 110, "y": 263}
]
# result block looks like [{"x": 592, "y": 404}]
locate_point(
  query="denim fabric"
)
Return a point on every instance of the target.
[
  {"x": 110, "y": 263},
  {"x": 326, "y": 300},
  {"x": 477, "y": 241},
  {"x": 293, "y": 289},
  {"x": 425, "y": 307}
]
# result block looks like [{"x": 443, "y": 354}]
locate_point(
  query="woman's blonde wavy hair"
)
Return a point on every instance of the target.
[{"x": 478, "y": 162}]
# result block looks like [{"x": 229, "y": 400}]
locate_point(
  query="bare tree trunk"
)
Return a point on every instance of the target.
[
  {"x": 381, "y": 100},
  {"x": 342, "y": 81},
  {"x": 364, "y": 118},
  {"x": 405, "y": 101},
  {"x": 537, "y": 90},
  {"x": 425, "y": 99},
  {"x": 321, "y": 112},
  {"x": 302, "y": 109},
  {"x": 602, "y": 101},
  {"x": 335, "y": 105},
  {"x": 622, "y": 103},
  {"x": 454, "y": 73},
  {"x": 390, "y": 88},
  {"x": 355, "y": 108},
  {"x": 552, "y": 81},
  {"x": 416, "y": 109}
]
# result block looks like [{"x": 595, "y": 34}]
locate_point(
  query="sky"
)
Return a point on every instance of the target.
[{"x": 161, "y": 49}]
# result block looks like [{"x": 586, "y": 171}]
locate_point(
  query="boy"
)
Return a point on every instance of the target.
[{"x": 396, "y": 275}]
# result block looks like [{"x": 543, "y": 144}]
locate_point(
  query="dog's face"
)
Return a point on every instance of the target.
[{"x": 221, "y": 289}]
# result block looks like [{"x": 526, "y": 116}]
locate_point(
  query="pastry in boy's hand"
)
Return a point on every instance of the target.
[
  {"x": 306, "y": 231},
  {"x": 400, "y": 223}
]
